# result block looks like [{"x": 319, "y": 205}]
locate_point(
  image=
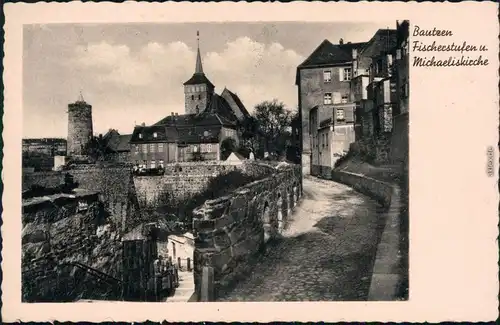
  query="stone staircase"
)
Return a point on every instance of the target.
[{"x": 185, "y": 290}]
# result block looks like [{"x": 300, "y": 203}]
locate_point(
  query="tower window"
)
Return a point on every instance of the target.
[
  {"x": 197, "y": 109},
  {"x": 192, "y": 97},
  {"x": 199, "y": 97}
]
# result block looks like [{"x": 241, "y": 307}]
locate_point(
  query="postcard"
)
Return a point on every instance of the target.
[{"x": 250, "y": 162}]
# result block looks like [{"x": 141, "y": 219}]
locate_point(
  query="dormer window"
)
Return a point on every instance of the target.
[
  {"x": 155, "y": 135},
  {"x": 140, "y": 135}
]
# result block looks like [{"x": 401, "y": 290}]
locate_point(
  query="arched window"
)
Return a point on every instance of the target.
[
  {"x": 199, "y": 97},
  {"x": 192, "y": 97},
  {"x": 197, "y": 109}
]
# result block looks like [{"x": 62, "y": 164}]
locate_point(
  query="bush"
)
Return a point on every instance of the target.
[{"x": 217, "y": 187}]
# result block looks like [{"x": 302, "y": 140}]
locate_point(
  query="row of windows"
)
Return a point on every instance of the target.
[
  {"x": 195, "y": 89},
  {"x": 152, "y": 164},
  {"x": 192, "y": 97},
  {"x": 153, "y": 147},
  {"x": 345, "y": 74},
  {"x": 204, "y": 147},
  {"x": 335, "y": 98}
]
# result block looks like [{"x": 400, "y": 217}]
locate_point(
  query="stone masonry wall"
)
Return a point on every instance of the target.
[
  {"x": 230, "y": 230},
  {"x": 183, "y": 180},
  {"x": 114, "y": 184},
  {"x": 54, "y": 234}
]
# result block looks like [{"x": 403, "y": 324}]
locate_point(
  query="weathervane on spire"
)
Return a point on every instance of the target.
[{"x": 80, "y": 97}]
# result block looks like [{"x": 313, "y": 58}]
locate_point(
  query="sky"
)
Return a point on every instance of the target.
[{"x": 133, "y": 73}]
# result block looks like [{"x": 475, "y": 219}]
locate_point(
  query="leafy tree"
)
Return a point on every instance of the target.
[
  {"x": 274, "y": 123},
  {"x": 227, "y": 146},
  {"x": 97, "y": 148}
]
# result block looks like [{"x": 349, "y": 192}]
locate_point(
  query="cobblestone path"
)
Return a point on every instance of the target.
[{"x": 326, "y": 253}]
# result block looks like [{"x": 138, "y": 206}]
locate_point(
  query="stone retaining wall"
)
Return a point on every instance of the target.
[
  {"x": 54, "y": 233},
  {"x": 390, "y": 271},
  {"x": 230, "y": 230},
  {"x": 184, "y": 180},
  {"x": 371, "y": 187}
]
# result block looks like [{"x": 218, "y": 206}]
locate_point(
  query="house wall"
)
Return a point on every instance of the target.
[
  {"x": 209, "y": 151},
  {"x": 311, "y": 93},
  {"x": 324, "y": 152},
  {"x": 229, "y": 133},
  {"x": 180, "y": 247},
  {"x": 342, "y": 138},
  {"x": 153, "y": 151}
]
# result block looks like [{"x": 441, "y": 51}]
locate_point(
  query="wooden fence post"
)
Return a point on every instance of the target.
[{"x": 207, "y": 284}]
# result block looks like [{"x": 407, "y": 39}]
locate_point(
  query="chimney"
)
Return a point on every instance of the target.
[
  {"x": 143, "y": 124},
  {"x": 176, "y": 114},
  {"x": 341, "y": 41},
  {"x": 172, "y": 113},
  {"x": 354, "y": 54}
]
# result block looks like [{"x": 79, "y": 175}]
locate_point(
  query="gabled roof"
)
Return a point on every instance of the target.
[
  {"x": 198, "y": 134},
  {"x": 217, "y": 112},
  {"x": 219, "y": 106},
  {"x": 189, "y": 120},
  {"x": 147, "y": 134},
  {"x": 230, "y": 96},
  {"x": 328, "y": 54},
  {"x": 123, "y": 144},
  {"x": 237, "y": 155},
  {"x": 384, "y": 40}
]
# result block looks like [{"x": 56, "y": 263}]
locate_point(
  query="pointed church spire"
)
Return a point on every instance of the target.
[{"x": 199, "y": 67}]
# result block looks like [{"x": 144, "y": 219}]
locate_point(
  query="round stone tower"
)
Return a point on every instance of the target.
[{"x": 79, "y": 127}]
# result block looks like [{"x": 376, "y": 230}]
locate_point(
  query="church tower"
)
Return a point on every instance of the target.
[{"x": 198, "y": 90}]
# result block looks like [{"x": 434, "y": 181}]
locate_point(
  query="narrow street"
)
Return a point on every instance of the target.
[{"x": 326, "y": 252}]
